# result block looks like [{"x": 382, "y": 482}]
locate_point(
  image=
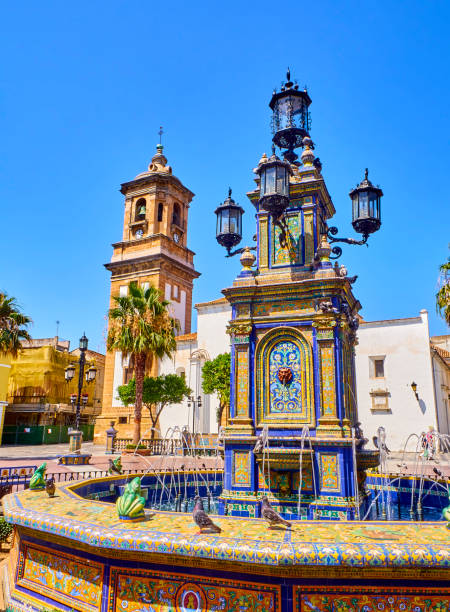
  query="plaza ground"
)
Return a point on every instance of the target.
[{"x": 18, "y": 456}]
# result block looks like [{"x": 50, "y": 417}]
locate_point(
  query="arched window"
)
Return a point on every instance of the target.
[
  {"x": 160, "y": 212},
  {"x": 140, "y": 210},
  {"x": 176, "y": 216}
]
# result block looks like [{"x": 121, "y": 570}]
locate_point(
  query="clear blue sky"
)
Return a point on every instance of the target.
[{"x": 86, "y": 85}]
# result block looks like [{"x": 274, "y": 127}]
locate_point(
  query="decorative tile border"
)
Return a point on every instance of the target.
[{"x": 318, "y": 543}]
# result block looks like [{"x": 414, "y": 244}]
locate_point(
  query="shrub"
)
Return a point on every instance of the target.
[{"x": 5, "y": 530}]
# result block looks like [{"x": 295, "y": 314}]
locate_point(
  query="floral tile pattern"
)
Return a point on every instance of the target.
[{"x": 358, "y": 544}]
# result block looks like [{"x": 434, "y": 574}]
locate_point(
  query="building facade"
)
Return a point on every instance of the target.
[
  {"x": 153, "y": 251},
  {"x": 38, "y": 393},
  {"x": 389, "y": 356},
  {"x": 392, "y": 355}
]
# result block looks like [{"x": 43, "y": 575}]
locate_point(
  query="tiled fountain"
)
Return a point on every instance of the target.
[{"x": 293, "y": 435}]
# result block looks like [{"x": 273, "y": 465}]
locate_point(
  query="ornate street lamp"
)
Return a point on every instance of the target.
[
  {"x": 366, "y": 214},
  {"x": 274, "y": 185},
  {"x": 229, "y": 224},
  {"x": 366, "y": 207},
  {"x": 291, "y": 120},
  {"x": 69, "y": 373},
  {"x": 194, "y": 403}
]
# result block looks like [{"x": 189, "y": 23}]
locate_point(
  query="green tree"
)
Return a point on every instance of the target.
[
  {"x": 216, "y": 378},
  {"x": 157, "y": 393},
  {"x": 13, "y": 324},
  {"x": 443, "y": 295},
  {"x": 140, "y": 327}
]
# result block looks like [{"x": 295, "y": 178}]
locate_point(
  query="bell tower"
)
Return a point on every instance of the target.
[{"x": 153, "y": 251}]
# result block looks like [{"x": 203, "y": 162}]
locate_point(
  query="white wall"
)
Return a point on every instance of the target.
[
  {"x": 211, "y": 340},
  {"x": 405, "y": 343},
  {"x": 441, "y": 373}
]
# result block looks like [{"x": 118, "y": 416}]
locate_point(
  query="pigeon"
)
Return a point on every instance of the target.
[
  {"x": 272, "y": 517},
  {"x": 377, "y": 444},
  {"x": 437, "y": 472},
  {"x": 50, "y": 486},
  {"x": 259, "y": 446},
  {"x": 115, "y": 466},
  {"x": 202, "y": 519}
]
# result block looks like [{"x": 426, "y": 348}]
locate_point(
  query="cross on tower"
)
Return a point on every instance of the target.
[{"x": 161, "y": 132}]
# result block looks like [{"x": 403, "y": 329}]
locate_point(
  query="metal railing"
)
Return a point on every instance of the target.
[
  {"x": 160, "y": 446},
  {"x": 17, "y": 482}
]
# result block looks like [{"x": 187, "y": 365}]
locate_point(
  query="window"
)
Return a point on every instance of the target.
[
  {"x": 160, "y": 212},
  {"x": 123, "y": 420},
  {"x": 175, "y": 293},
  {"x": 379, "y": 368},
  {"x": 176, "y": 217},
  {"x": 145, "y": 285},
  {"x": 181, "y": 372},
  {"x": 123, "y": 290},
  {"x": 140, "y": 210},
  {"x": 376, "y": 366}
]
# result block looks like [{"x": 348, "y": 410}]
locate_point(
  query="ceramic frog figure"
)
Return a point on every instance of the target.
[
  {"x": 37, "y": 482},
  {"x": 131, "y": 504}
]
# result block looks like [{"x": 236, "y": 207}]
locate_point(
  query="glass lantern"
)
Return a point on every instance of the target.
[
  {"x": 290, "y": 118},
  {"x": 69, "y": 372},
  {"x": 91, "y": 374},
  {"x": 274, "y": 185},
  {"x": 83, "y": 343},
  {"x": 366, "y": 207},
  {"x": 229, "y": 223}
]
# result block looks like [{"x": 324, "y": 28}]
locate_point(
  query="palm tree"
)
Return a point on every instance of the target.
[
  {"x": 12, "y": 325},
  {"x": 140, "y": 327},
  {"x": 443, "y": 295}
]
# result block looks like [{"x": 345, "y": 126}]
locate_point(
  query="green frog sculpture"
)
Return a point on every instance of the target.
[
  {"x": 37, "y": 482},
  {"x": 130, "y": 505}
]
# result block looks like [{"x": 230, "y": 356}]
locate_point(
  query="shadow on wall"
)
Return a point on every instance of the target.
[{"x": 423, "y": 406}]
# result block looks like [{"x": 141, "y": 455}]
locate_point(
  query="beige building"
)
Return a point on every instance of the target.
[
  {"x": 153, "y": 250},
  {"x": 38, "y": 393}
]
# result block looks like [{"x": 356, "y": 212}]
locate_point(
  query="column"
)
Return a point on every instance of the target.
[
  {"x": 241, "y": 420},
  {"x": 328, "y": 424}
]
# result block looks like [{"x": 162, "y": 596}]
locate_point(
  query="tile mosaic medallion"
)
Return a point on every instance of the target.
[{"x": 140, "y": 590}]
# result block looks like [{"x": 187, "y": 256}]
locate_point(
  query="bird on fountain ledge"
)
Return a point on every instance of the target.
[{"x": 201, "y": 519}]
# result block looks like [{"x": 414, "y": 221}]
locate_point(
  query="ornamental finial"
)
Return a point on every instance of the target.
[
  {"x": 366, "y": 174},
  {"x": 229, "y": 192}
]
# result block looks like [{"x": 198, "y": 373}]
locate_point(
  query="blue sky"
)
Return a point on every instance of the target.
[{"x": 86, "y": 85}]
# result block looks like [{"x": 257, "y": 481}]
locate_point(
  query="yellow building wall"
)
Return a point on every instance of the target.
[{"x": 5, "y": 368}]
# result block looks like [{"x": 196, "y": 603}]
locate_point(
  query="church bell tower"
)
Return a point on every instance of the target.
[{"x": 153, "y": 251}]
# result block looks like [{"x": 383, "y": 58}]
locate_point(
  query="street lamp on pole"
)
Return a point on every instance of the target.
[
  {"x": 75, "y": 434},
  {"x": 194, "y": 403}
]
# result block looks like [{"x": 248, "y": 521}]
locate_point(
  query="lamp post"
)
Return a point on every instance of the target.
[
  {"x": 75, "y": 434},
  {"x": 291, "y": 124},
  {"x": 194, "y": 403}
]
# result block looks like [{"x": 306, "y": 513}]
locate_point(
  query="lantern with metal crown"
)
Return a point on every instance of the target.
[
  {"x": 291, "y": 120},
  {"x": 274, "y": 184},
  {"x": 366, "y": 217},
  {"x": 229, "y": 223}
]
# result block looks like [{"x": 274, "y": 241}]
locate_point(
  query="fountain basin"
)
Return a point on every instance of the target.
[{"x": 74, "y": 553}]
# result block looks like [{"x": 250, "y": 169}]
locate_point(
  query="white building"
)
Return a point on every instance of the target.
[
  {"x": 193, "y": 350},
  {"x": 390, "y": 356}
]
